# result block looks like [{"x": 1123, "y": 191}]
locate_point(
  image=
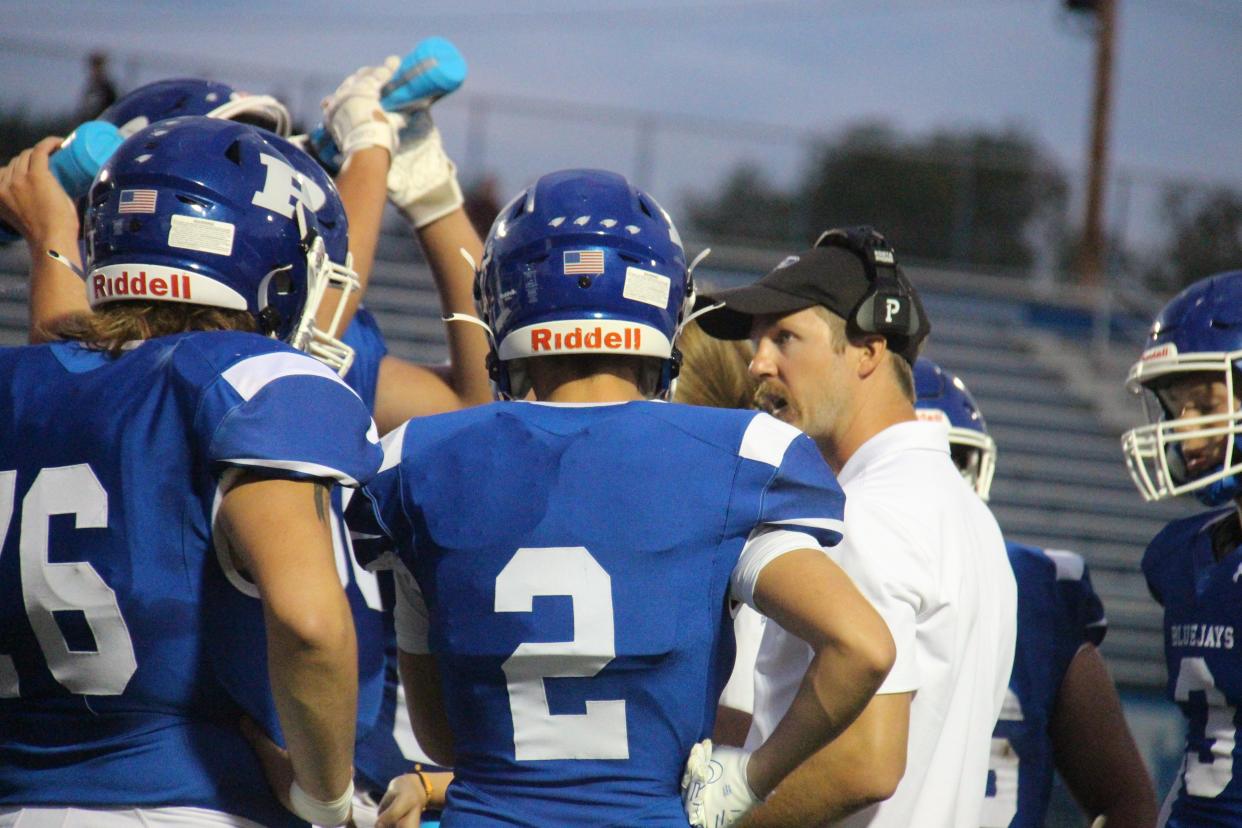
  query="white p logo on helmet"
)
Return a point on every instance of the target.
[
  {"x": 283, "y": 185},
  {"x": 891, "y": 306}
]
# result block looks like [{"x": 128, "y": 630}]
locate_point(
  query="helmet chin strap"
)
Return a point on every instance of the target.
[
  {"x": 65, "y": 260},
  {"x": 473, "y": 320},
  {"x": 689, "y": 302}
]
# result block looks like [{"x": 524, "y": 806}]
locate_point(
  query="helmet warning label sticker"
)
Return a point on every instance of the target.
[
  {"x": 646, "y": 287},
  {"x": 203, "y": 235}
]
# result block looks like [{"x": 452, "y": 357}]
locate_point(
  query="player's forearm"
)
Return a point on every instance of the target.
[
  {"x": 814, "y": 599},
  {"x": 442, "y": 241},
  {"x": 860, "y": 767},
  {"x": 313, "y": 667},
  {"x": 362, "y": 186},
  {"x": 823, "y": 707},
  {"x": 56, "y": 292},
  {"x": 282, "y": 531},
  {"x": 1109, "y": 777},
  {"x": 1139, "y": 812},
  {"x": 732, "y": 726}
]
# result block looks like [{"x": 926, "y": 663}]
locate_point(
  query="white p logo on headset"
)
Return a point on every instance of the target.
[{"x": 891, "y": 306}]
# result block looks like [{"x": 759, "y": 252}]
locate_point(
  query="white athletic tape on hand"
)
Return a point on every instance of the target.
[{"x": 318, "y": 812}]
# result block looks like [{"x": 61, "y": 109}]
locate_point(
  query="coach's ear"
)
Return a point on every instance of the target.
[{"x": 871, "y": 351}]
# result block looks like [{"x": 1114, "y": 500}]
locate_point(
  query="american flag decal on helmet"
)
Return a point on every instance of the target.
[
  {"x": 588, "y": 262},
  {"x": 137, "y": 201}
]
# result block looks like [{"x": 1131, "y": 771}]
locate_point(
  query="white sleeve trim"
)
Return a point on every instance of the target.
[
  {"x": 410, "y": 614},
  {"x": 765, "y": 544},
  {"x": 767, "y": 439},
  {"x": 250, "y": 376},
  {"x": 1070, "y": 565},
  {"x": 300, "y": 466}
]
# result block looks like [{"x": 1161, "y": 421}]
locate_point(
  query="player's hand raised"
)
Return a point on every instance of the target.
[
  {"x": 32, "y": 200},
  {"x": 353, "y": 113},
  {"x": 714, "y": 790}
]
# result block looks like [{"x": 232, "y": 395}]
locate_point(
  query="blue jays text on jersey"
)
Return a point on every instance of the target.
[
  {"x": 1191, "y": 569},
  {"x": 112, "y": 692},
  {"x": 1058, "y": 612},
  {"x": 576, "y": 574}
]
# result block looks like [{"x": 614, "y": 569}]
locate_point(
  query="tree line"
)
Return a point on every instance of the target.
[{"x": 977, "y": 197}]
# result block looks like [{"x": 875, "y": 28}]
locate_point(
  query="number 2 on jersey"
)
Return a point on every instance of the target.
[
  {"x": 48, "y": 588},
  {"x": 600, "y": 733}
]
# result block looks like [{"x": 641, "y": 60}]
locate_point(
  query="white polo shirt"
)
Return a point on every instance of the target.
[{"x": 928, "y": 554}]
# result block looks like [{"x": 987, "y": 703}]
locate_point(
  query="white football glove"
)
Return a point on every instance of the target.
[
  {"x": 714, "y": 790},
  {"x": 422, "y": 181},
  {"x": 353, "y": 113}
]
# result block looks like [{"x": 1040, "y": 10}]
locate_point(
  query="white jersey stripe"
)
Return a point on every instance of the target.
[
  {"x": 766, "y": 440},
  {"x": 393, "y": 443},
  {"x": 250, "y": 376}
]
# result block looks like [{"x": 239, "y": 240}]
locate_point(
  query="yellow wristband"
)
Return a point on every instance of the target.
[{"x": 422, "y": 777}]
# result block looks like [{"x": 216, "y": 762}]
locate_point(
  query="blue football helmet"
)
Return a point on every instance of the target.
[
  {"x": 320, "y": 194},
  {"x": 203, "y": 211},
  {"x": 942, "y": 397},
  {"x": 1199, "y": 331},
  {"x": 176, "y": 97},
  {"x": 582, "y": 262}
]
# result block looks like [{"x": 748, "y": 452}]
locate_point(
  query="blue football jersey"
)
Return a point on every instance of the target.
[
  {"x": 1202, "y": 600},
  {"x": 110, "y": 693},
  {"x": 1058, "y": 612},
  {"x": 575, "y": 562},
  {"x": 364, "y": 336}
]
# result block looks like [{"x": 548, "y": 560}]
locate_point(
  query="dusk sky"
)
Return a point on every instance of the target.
[{"x": 794, "y": 65}]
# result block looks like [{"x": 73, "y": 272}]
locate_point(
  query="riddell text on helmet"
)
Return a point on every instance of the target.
[
  {"x": 173, "y": 286},
  {"x": 544, "y": 339}
]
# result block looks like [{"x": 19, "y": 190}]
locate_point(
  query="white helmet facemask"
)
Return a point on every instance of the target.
[
  {"x": 977, "y": 460},
  {"x": 322, "y": 275},
  {"x": 1154, "y": 451}
]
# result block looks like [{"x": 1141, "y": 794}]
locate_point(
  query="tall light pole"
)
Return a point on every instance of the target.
[{"x": 1091, "y": 257}]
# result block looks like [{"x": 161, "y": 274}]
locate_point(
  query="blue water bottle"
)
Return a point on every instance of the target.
[
  {"x": 76, "y": 162},
  {"x": 434, "y": 69}
]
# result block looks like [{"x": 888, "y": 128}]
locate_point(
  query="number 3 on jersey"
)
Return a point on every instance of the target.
[
  {"x": 1209, "y": 769},
  {"x": 48, "y": 588},
  {"x": 600, "y": 733}
]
